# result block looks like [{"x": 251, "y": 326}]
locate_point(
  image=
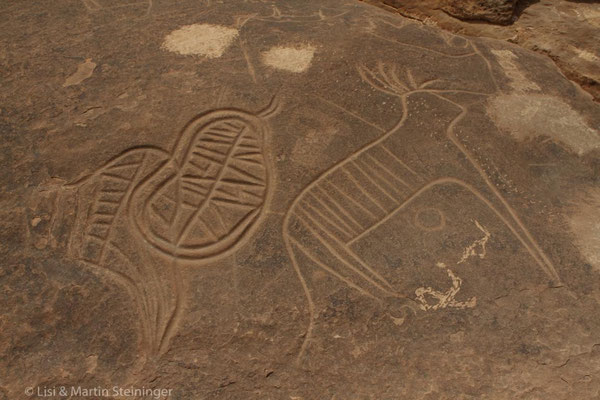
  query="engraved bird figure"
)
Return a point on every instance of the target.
[{"x": 336, "y": 224}]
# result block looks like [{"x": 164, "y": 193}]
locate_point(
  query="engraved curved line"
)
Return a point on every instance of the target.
[
  {"x": 371, "y": 180},
  {"x": 121, "y": 279},
  {"x": 349, "y": 113},
  {"x": 309, "y": 300},
  {"x": 341, "y": 209},
  {"x": 545, "y": 264},
  {"x": 421, "y": 48},
  {"x": 487, "y": 63},
  {"x": 178, "y": 308},
  {"x": 156, "y": 294},
  {"x": 377, "y": 176},
  {"x": 228, "y": 242},
  {"x": 322, "y": 176},
  {"x": 354, "y": 155},
  {"x": 326, "y": 238},
  {"x": 411, "y": 79},
  {"x": 299, "y": 19},
  {"x": 146, "y": 149},
  {"x": 391, "y": 189},
  {"x": 460, "y": 183},
  {"x": 383, "y": 87},
  {"x": 186, "y": 227},
  {"x": 142, "y": 299},
  {"x": 389, "y": 172},
  {"x": 398, "y": 159},
  {"x": 394, "y": 83},
  {"x": 195, "y": 126},
  {"x": 120, "y": 206},
  {"x": 307, "y": 208},
  {"x": 348, "y": 230},
  {"x": 315, "y": 260},
  {"x": 273, "y": 108},
  {"x": 438, "y": 227},
  {"x": 393, "y": 87},
  {"x": 396, "y": 80},
  {"x": 355, "y": 182}
]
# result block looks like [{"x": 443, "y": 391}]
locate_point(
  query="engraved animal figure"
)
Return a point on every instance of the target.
[
  {"x": 147, "y": 212},
  {"x": 332, "y": 217}
]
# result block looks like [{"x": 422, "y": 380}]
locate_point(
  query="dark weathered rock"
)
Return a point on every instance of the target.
[
  {"x": 494, "y": 11},
  {"x": 565, "y": 31},
  {"x": 290, "y": 200}
]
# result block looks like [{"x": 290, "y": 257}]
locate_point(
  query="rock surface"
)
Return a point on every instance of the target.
[
  {"x": 494, "y": 11},
  {"x": 566, "y": 31},
  {"x": 291, "y": 200}
]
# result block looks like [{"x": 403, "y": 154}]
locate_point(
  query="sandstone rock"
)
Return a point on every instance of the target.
[
  {"x": 565, "y": 31},
  {"x": 290, "y": 200},
  {"x": 494, "y": 11}
]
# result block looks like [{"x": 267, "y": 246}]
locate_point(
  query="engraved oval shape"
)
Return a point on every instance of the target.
[{"x": 207, "y": 197}]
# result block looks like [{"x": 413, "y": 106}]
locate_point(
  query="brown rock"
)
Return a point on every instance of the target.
[
  {"x": 565, "y": 31},
  {"x": 494, "y": 11},
  {"x": 290, "y": 200}
]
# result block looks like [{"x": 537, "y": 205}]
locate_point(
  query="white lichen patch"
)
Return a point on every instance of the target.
[
  {"x": 292, "y": 59},
  {"x": 584, "y": 221},
  {"x": 525, "y": 116},
  {"x": 206, "y": 40}
]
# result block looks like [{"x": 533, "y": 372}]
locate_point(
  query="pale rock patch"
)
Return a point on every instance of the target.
[
  {"x": 518, "y": 81},
  {"x": 292, "y": 59},
  {"x": 584, "y": 222},
  {"x": 206, "y": 40},
  {"x": 84, "y": 71},
  {"x": 525, "y": 116}
]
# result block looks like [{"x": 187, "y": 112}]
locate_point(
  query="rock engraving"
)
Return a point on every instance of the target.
[
  {"x": 346, "y": 204},
  {"x": 147, "y": 212}
]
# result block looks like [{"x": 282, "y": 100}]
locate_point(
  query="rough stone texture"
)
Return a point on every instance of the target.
[
  {"x": 566, "y": 31},
  {"x": 313, "y": 201},
  {"x": 494, "y": 11}
]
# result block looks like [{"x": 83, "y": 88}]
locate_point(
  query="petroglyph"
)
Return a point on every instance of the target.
[
  {"x": 206, "y": 40},
  {"x": 324, "y": 14},
  {"x": 191, "y": 206},
  {"x": 443, "y": 299},
  {"x": 201, "y": 203},
  {"x": 430, "y": 219},
  {"x": 345, "y": 205},
  {"x": 295, "y": 59},
  {"x": 525, "y": 116},
  {"x": 471, "y": 250}
]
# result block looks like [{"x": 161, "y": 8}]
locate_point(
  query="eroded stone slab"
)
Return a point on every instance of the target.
[
  {"x": 292, "y": 200},
  {"x": 564, "y": 30}
]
